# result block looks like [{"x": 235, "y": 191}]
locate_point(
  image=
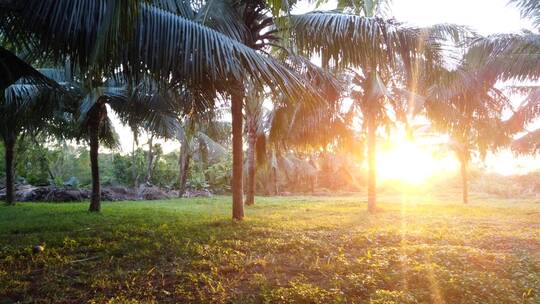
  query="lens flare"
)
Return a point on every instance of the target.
[{"x": 412, "y": 163}]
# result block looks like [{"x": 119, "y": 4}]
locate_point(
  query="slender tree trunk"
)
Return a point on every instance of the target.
[
  {"x": 203, "y": 152},
  {"x": 150, "y": 165},
  {"x": 95, "y": 200},
  {"x": 250, "y": 193},
  {"x": 96, "y": 115},
  {"x": 134, "y": 165},
  {"x": 183, "y": 163},
  {"x": 274, "y": 180},
  {"x": 237, "y": 99},
  {"x": 372, "y": 166},
  {"x": 43, "y": 158},
  {"x": 464, "y": 180},
  {"x": 10, "y": 187}
]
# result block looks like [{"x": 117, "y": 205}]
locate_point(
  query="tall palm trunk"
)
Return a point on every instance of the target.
[
  {"x": 372, "y": 166},
  {"x": 183, "y": 164},
  {"x": 133, "y": 165},
  {"x": 203, "y": 152},
  {"x": 274, "y": 181},
  {"x": 252, "y": 138},
  {"x": 150, "y": 166},
  {"x": 237, "y": 99},
  {"x": 96, "y": 116},
  {"x": 464, "y": 179},
  {"x": 10, "y": 188}
]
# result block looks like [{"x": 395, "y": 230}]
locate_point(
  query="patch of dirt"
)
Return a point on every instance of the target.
[{"x": 29, "y": 193}]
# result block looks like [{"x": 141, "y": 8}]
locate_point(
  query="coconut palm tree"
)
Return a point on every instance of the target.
[
  {"x": 465, "y": 103},
  {"x": 512, "y": 57},
  {"x": 294, "y": 134},
  {"x": 29, "y": 101},
  {"x": 24, "y": 108},
  {"x": 253, "y": 24},
  {"x": 472, "y": 118},
  {"x": 290, "y": 134},
  {"x": 385, "y": 52},
  {"x": 255, "y": 116},
  {"x": 135, "y": 104},
  {"x": 291, "y": 124},
  {"x": 196, "y": 131}
]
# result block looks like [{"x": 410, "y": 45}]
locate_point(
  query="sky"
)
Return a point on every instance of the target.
[{"x": 484, "y": 16}]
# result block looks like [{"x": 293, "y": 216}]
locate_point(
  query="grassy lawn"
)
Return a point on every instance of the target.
[{"x": 291, "y": 250}]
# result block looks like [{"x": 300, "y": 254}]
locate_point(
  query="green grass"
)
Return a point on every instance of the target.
[{"x": 292, "y": 250}]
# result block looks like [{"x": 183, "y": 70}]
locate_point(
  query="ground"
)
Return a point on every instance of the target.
[{"x": 419, "y": 249}]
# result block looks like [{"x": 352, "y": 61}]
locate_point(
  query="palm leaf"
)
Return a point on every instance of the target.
[
  {"x": 344, "y": 39},
  {"x": 507, "y": 56},
  {"x": 529, "y": 9},
  {"x": 528, "y": 143},
  {"x": 526, "y": 113},
  {"x": 163, "y": 43},
  {"x": 12, "y": 68}
]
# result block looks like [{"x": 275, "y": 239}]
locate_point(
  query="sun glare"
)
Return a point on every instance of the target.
[{"x": 413, "y": 163}]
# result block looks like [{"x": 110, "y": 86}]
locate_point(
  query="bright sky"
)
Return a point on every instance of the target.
[{"x": 484, "y": 16}]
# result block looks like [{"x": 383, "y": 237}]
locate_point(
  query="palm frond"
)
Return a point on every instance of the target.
[
  {"x": 108, "y": 135},
  {"x": 163, "y": 43},
  {"x": 527, "y": 112},
  {"x": 506, "y": 56},
  {"x": 184, "y": 8},
  {"x": 344, "y": 39},
  {"x": 12, "y": 68},
  {"x": 529, "y": 9},
  {"x": 223, "y": 17},
  {"x": 528, "y": 143},
  {"x": 215, "y": 149}
]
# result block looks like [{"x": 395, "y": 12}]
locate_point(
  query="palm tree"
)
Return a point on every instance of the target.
[
  {"x": 28, "y": 102},
  {"x": 294, "y": 134},
  {"x": 529, "y": 9},
  {"x": 289, "y": 123},
  {"x": 385, "y": 51},
  {"x": 140, "y": 104},
  {"x": 196, "y": 131},
  {"x": 472, "y": 119},
  {"x": 504, "y": 57},
  {"x": 255, "y": 116},
  {"x": 141, "y": 36},
  {"x": 137, "y": 104},
  {"x": 253, "y": 24},
  {"x": 465, "y": 103}
]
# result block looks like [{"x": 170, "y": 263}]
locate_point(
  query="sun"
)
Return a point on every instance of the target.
[{"x": 412, "y": 162}]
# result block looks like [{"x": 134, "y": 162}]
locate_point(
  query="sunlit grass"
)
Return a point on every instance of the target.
[{"x": 417, "y": 249}]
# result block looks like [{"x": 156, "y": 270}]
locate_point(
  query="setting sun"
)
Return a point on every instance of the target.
[{"x": 412, "y": 162}]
